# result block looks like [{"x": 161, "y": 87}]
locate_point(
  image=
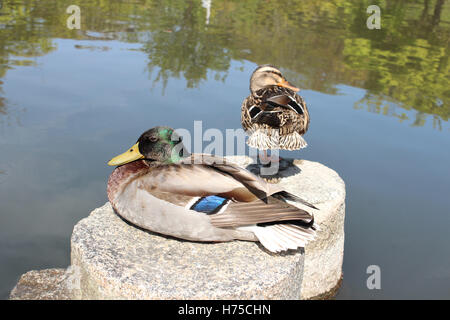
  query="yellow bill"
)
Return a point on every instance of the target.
[
  {"x": 286, "y": 84},
  {"x": 128, "y": 156}
]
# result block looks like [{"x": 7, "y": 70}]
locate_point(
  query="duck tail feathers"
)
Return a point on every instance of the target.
[
  {"x": 292, "y": 141},
  {"x": 286, "y": 196},
  {"x": 282, "y": 237},
  {"x": 264, "y": 139}
]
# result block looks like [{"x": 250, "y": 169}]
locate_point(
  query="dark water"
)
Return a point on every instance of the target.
[{"x": 379, "y": 102}]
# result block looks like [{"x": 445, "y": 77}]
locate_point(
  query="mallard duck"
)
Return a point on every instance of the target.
[
  {"x": 199, "y": 197},
  {"x": 274, "y": 116}
]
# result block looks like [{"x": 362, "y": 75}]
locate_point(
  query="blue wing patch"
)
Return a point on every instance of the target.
[{"x": 209, "y": 204}]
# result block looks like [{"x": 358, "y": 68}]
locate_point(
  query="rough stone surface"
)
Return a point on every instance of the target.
[
  {"x": 323, "y": 256},
  {"x": 48, "y": 284},
  {"x": 118, "y": 261},
  {"x": 111, "y": 259},
  {"x": 324, "y": 188}
]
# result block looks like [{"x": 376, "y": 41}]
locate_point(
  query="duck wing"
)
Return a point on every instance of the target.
[
  {"x": 285, "y": 101},
  {"x": 255, "y": 184},
  {"x": 269, "y": 210},
  {"x": 194, "y": 180},
  {"x": 269, "y": 205},
  {"x": 270, "y": 111},
  {"x": 219, "y": 168},
  {"x": 278, "y": 225}
]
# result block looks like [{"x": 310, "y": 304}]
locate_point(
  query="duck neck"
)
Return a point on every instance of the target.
[
  {"x": 177, "y": 157},
  {"x": 123, "y": 175}
]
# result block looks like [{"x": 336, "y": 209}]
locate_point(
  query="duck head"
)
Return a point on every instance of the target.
[
  {"x": 160, "y": 144},
  {"x": 267, "y": 75}
]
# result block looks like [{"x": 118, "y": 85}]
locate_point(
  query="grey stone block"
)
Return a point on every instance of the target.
[{"x": 112, "y": 259}]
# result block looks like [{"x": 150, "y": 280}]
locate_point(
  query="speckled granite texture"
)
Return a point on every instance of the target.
[
  {"x": 111, "y": 259},
  {"x": 324, "y": 188},
  {"x": 118, "y": 261},
  {"x": 48, "y": 284}
]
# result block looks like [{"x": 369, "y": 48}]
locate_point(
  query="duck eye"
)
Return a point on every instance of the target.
[{"x": 153, "y": 139}]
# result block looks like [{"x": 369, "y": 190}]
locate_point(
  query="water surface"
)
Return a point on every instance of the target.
[{"x": 379, "y": 104}]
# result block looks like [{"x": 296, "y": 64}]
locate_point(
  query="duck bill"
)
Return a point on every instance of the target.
[
  {"x": 131, "y": 154},
  {"x": 285, "y": 84}
]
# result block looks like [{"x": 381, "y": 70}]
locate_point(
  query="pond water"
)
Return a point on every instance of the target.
[{"x": 379, "y": 102}]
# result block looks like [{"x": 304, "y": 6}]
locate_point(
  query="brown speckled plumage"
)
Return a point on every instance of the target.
[{"x": 282, "y": 128}]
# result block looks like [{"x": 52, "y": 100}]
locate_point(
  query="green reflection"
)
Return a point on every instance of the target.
[{"x": 318, "y": 43}]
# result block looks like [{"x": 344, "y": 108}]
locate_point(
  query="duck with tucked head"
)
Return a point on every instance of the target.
[
  {"x": 199, "y": 197},
  {"x": 273, "y": 114}
]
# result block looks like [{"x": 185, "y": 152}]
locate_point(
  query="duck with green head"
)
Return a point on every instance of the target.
[{"x": 160, "y": 187}]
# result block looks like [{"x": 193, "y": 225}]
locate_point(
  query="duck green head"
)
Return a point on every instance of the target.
[{"x": 161, "y": 144}]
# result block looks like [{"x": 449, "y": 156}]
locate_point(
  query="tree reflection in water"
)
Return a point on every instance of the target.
[{"x": 319, "y": 44}]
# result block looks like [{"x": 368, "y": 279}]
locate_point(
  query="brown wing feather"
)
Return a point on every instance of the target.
[
  {"x": 195, "y": 180},
  {"x": 202, "y": 175},
  {"x": 250, "y": 213},
  {"x": 289, "y": 120},
  {"x": 257, "y": 186},
  {"x": 246, "y": 120}
]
